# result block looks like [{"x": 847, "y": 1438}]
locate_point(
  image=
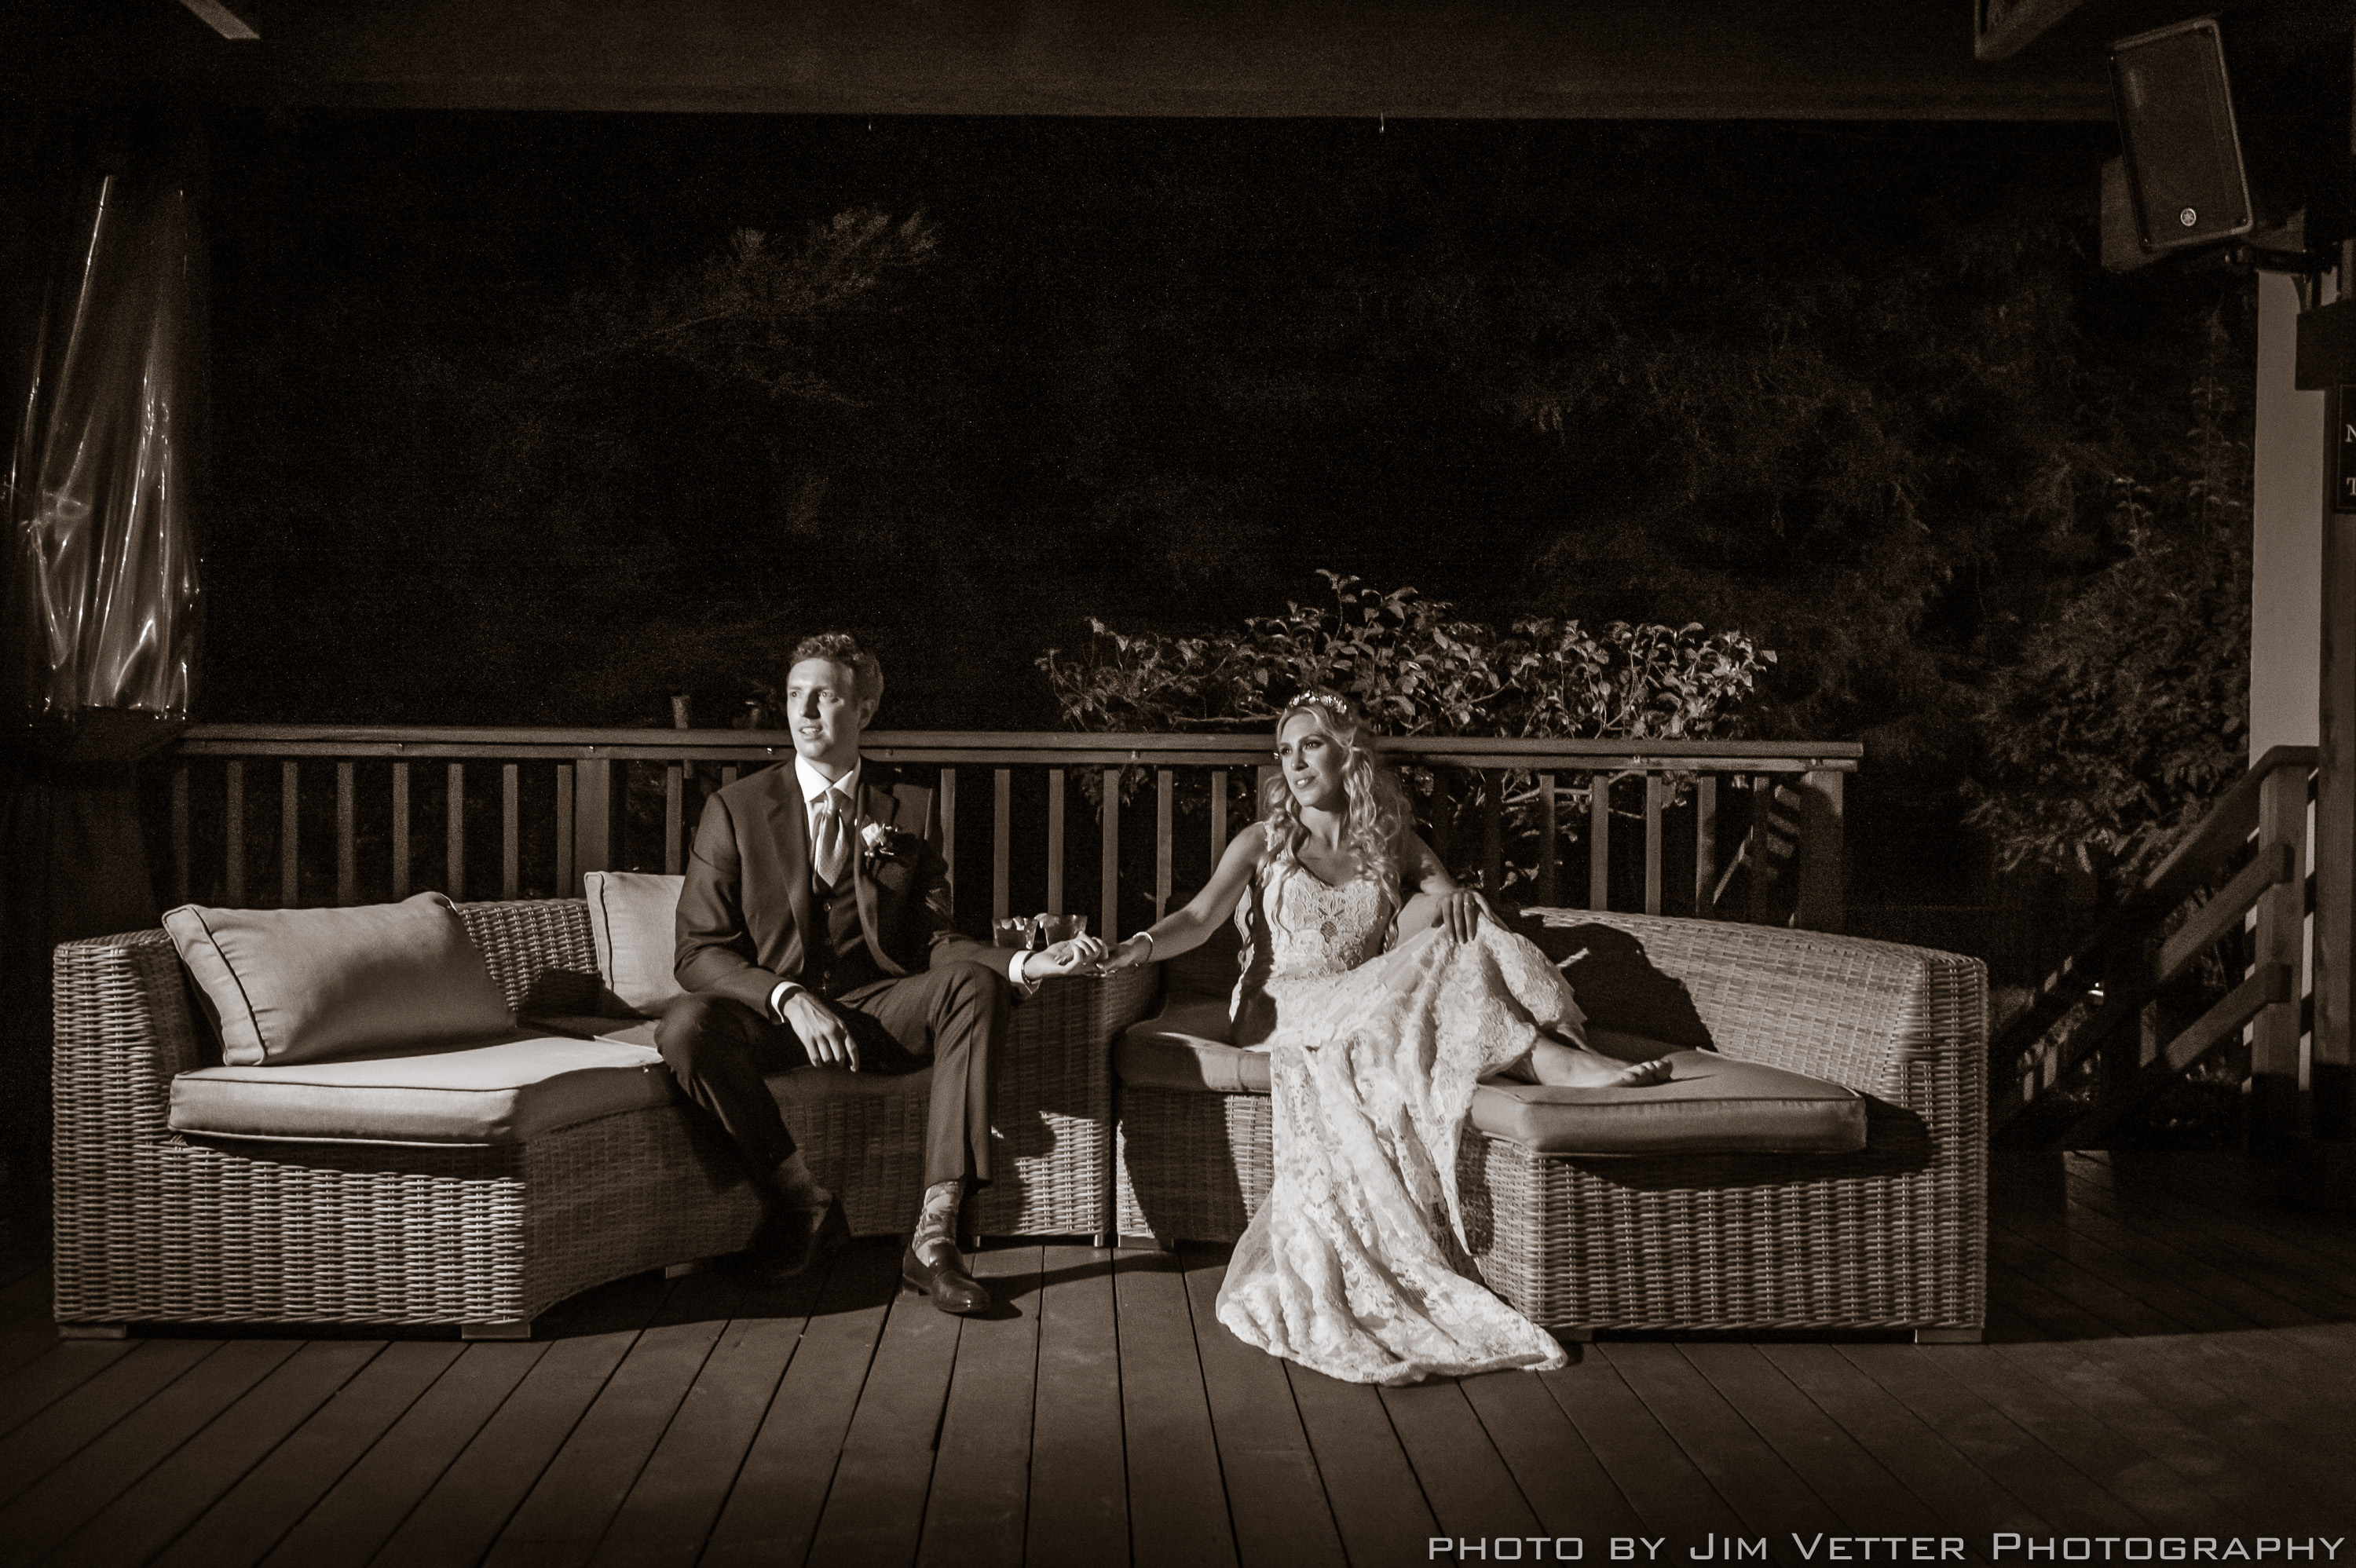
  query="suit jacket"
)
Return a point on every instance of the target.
[{"x": 747, "y": 917}]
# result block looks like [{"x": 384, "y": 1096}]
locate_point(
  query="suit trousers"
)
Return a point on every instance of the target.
[{"x": 953, "y": 1017}]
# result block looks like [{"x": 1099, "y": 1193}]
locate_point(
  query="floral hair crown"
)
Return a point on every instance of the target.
[{"x": 1325, "y": 699}]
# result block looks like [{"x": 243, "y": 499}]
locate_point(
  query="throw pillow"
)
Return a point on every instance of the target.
[
  {"x": 634, "y": 920},
  {"x": 314, "y": 985}
]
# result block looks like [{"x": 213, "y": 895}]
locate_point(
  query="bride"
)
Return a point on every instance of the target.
[{"x": 1354, "y": 1264}]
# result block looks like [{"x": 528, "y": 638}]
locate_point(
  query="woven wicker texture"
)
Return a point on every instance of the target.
[
  {"x": 1894, "y": 1237},
  {"x": 151, "y": 1227}
]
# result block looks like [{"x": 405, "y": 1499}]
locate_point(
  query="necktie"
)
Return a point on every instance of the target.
[{"x": 832, "y": 852}]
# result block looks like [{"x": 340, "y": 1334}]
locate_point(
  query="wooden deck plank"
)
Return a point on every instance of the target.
[
  {"x": 672, "y": 1505},
  {"x": 1909, "y": 1447},
  {"x": 2195, "y": 1294},
  {"x": 35, "y": 1523},
  {"x": 1468, "y": 1483},
  {"x": 1177, "y": 1500},
  {"x": 2301, "y": 1384},
  {"x": 1992, "y": 1440},
  {"x": 567, "y": 1509},
  {"x": 980, "y": 1504},
  {"x": 1560, "y": 1477},
  {"x": 773, "y": 1509},
  {"x": 1852, "y": 1482},
  {"x": 1078, "y": 1509},
  {"x": 2208, "y": 1387},
  {"x": 2242, "y": 1195},
  {"x": 2240, "y": 1481},
  {"x": 2302, "y": 1276},
  {"x": 2119, "y": 1310},
  {"x": 26, "y": 1330},
  {"x": 250, "y": 1517},
  {"x": 361, "y": 1511},
  {"x": 49, "y": 1377},
  {"x": 1378, "y": 1504},
  {"x": 1769, "y": 1496},
  {"x": 2051, "y": 1317},
  {"x": 1659, "y": 1479},
  {"x": 2121, "y": 1466},
  {"x": 874, "y": 1512},
  {"x": 1276, "y": 1499},
  {"x": 172, "y": 1496},
  {"x": 464, "y": 1512}
]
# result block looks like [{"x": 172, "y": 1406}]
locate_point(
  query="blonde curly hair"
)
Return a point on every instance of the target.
[{"x": 1374, "y": 810}]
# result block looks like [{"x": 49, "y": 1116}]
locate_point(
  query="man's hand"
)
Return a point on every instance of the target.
[
  {"x": 823, "y": 1038},
  {"x": 1068, "y": 957}
]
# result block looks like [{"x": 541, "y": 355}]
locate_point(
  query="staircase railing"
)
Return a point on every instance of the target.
[{"x": 2248, "y": 856}]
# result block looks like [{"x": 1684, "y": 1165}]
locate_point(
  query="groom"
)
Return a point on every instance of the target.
[{"x": 814, "y": 928}]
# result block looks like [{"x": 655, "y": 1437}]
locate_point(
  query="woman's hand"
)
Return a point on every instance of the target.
[
  {"x": 1129, "y": 953},
  {"x": 1460, "y": 910}
]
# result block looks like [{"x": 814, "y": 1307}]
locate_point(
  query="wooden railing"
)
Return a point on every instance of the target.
[
  {"x": 2249, "y": 856},
  {"x": 573, "y": 801}
]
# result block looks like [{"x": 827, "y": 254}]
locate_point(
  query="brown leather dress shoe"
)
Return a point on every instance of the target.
[
  {"x": 791, "y": 1240},
  {"x": 952, "y": 1289}
]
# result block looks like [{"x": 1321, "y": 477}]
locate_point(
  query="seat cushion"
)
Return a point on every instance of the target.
[
  {"x": 288, "y": 986},
  {"x": 1711, "y": 1105},
  {"x": 634, "y": 924},
  {"x": 501, "y": 1092},
  {"x": 1185, "y": 1046}
]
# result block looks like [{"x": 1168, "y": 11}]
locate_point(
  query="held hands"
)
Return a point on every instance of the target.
[
  {"x": 1073, "y": 957},
  {"x": 1127, "y": 954}
]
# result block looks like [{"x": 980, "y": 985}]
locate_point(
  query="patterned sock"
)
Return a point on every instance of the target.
[{"x": 935, "y": 1240}]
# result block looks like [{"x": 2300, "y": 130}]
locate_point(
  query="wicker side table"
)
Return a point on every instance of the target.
[{"x": 1053, "y": 1119}]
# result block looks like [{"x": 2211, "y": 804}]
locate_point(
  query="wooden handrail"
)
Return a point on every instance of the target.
[
  {"x": 2124, "y": 965},
  {"x": 1800, "y": 836}
]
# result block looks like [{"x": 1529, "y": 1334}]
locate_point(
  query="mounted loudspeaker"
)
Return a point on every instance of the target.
[{"x": 2183, "y": 157}]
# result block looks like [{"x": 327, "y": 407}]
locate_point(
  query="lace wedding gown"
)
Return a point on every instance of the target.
[{"x": 1355, "y": 1265}]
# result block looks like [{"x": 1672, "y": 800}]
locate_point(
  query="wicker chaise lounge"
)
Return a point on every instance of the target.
[
  {"x": 158, "y": 1226},
  {"x": 1891, "y": 1235}
]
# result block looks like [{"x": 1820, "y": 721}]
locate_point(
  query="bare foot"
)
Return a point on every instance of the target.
[{"x": 1568, "y": 1067}]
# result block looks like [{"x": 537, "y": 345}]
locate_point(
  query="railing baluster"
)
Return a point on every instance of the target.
[
  {"x": 1598, "y": 841},
  {"x": 1654, "y": 799},
  {"x": 1545, "y": 839},
  {"x": 1706, "y": 847},
  {"x": 1002, "y": 843},
  {"x": 1493, "y": 830},
  {"x": 1822, "y": 865},
  {"x": 565, "y": 880},
  {"x": 1164, "y": 823},
  {"x": 180, "y": 833},
  {"x": 510, "y": 831},
  {"x": 674, "y": 817},
  {"x": 1111, "y": 929},
  {"x": 593, "y": 816},
  {"x": 347, "y": 852},
  {"x": 948, "y": 830},
  {"x": 1055, "y": 840},
  {"x": 2281, "y": 938},
  {"x": 290, "y": 834},
  {"x": 1443, "y": 820},
  {"x": 1218, "y": 815},
  {"x": 400, "y": 831},
  {"x": 727, "y": 774},
  {"x": 453, "y": 838},
  {"x": 234, "y": 828}
]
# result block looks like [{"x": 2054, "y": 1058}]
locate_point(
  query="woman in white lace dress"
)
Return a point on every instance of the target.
[{"x": 1355, "y": 1265}]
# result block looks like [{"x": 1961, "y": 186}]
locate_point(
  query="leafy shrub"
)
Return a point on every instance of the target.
[{"x": 1416, "y": 668}]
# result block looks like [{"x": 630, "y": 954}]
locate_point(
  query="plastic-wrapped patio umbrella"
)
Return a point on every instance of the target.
[{"x": 98, "y": 623}]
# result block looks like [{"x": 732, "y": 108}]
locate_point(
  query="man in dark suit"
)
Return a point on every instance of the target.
[{"x": 814, "y": 928}]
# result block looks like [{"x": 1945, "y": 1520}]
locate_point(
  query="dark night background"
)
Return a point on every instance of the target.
[{"x": 1157, "y": 371}]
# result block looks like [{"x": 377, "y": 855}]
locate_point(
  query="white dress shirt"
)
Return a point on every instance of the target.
[{"x": 815, "y": 786}]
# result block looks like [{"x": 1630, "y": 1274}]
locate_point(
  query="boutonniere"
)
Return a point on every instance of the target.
[{"x": 882, "y": 842}]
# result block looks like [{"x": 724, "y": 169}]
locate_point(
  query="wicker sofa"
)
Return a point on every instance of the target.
[
  {"x": 155, "y": 1226},
  {"x": 1891, "y": 1236}
]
